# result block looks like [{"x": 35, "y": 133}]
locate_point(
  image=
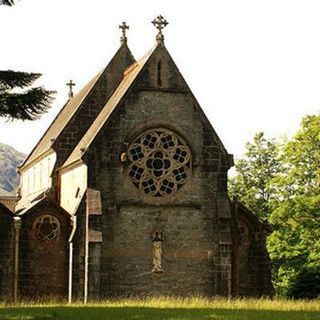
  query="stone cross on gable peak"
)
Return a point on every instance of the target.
[
  {"x": 160, "y": 23},
  {"x": 124, "y": 27},
  {"x": 70, "y": 84}
]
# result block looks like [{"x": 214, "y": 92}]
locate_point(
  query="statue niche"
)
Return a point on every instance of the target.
[{"x": 157, "y": 240}]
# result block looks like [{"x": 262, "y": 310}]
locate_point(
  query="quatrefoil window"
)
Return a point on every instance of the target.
[
  {"x": 160, "y": 162},
  {"x": 46, "y": 227}
]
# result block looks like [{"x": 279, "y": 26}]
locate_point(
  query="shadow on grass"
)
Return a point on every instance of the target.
[{"x": 145, "y": 313}]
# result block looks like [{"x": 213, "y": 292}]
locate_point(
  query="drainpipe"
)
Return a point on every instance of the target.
[
  {"x": 17, "y": 227},
  {"x": 86, "y": 252},
  {"x": 74, "y": 227}
]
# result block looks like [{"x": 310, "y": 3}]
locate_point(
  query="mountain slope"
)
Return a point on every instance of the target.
[{"x": 10, "y": 159}]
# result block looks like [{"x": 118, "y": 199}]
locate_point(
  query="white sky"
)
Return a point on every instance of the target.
[{"x": 253, "y": 65}]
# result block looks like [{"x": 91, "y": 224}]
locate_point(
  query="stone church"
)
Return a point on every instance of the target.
[{"x": 126, "y": 195}]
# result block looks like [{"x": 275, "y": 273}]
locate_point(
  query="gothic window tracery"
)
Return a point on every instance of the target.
[
  {"x": 46, "y": 228},
  {"x": 160, "y": 162}
]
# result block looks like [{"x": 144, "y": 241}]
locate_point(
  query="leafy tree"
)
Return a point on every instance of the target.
[
  {"x": 255, "y": 171},
  {"x": 306, "y": 285},
  {"x": 27, "y": 105},
  {"x": 295, "y": 243},
  {"x": 281, "y": 182}
]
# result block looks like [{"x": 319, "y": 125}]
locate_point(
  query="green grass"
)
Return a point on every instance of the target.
[{"x": 168, "y": 309}]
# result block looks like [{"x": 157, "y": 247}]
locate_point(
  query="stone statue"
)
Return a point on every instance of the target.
[{"x": 157, "y": 240}]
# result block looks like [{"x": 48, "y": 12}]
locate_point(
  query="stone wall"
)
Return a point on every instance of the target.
[
  {"x": 43, "y": 272},
  {"x": 197, "y": 234},
  {"x": 252, "y": 265},
  {"x": 6, "y": 253}
]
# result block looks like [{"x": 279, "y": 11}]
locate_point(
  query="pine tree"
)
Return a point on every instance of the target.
[
  {"x": 7, "y": 2},
  {"x": 28, "y": 105}
]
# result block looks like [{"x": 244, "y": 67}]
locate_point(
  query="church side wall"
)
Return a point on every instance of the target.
[{"x": 193, "y": 257}]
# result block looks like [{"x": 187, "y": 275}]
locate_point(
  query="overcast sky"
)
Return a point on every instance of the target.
[{"x": 252, "y": 65}]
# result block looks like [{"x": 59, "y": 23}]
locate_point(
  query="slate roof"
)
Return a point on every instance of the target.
[
  {"x": 60, "y": 121},
  {"x": 130, "y": 75},
  {"x": 70, "y": 109}
]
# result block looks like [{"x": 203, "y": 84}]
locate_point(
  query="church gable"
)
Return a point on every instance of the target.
[
  {"x": 161, "y": 73},
  {"x": 159, "y": 80}
]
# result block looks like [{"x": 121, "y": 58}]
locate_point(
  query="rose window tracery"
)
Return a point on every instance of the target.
[
  {"x": 46, "y": 228},
  {"x": 160, "y": 162}
]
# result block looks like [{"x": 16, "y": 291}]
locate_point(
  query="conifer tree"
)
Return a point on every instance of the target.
[
  {"x": 7, "y": 2},
  {"x": 27, "y": 105}
]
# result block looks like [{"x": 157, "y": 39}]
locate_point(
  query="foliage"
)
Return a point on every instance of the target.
[
  {"x": 8, "y": 2},
  {"x": 27, "y": 105},
  {"x": 306, "y": 285},
  {"x": 280, "y": 181},
  {"x": 295, "y": 244},
  {"x": 169, "y": 308},
  {"x": 252, "y": 185}
]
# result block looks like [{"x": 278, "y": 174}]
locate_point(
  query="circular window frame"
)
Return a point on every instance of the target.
[
  {"x": 46, "y": 235},
  {"x": 159, "y": 162}
]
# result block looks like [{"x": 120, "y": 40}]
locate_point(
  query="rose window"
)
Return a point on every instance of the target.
[
  {"x": 160, "y": 163},
  {"x": 46, "y": 227}
]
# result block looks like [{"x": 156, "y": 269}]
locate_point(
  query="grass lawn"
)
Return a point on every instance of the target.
[{"x": 169, "y": 309}]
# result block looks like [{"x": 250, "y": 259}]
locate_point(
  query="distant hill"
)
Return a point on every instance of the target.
[{"x": 10, "y": 159}]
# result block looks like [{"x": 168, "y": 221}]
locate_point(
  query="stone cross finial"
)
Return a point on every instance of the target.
[
  {"x": 70, "y": 84},
  {"x": 160, "y": 23},
  {"x": 124, "y": 27}
]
